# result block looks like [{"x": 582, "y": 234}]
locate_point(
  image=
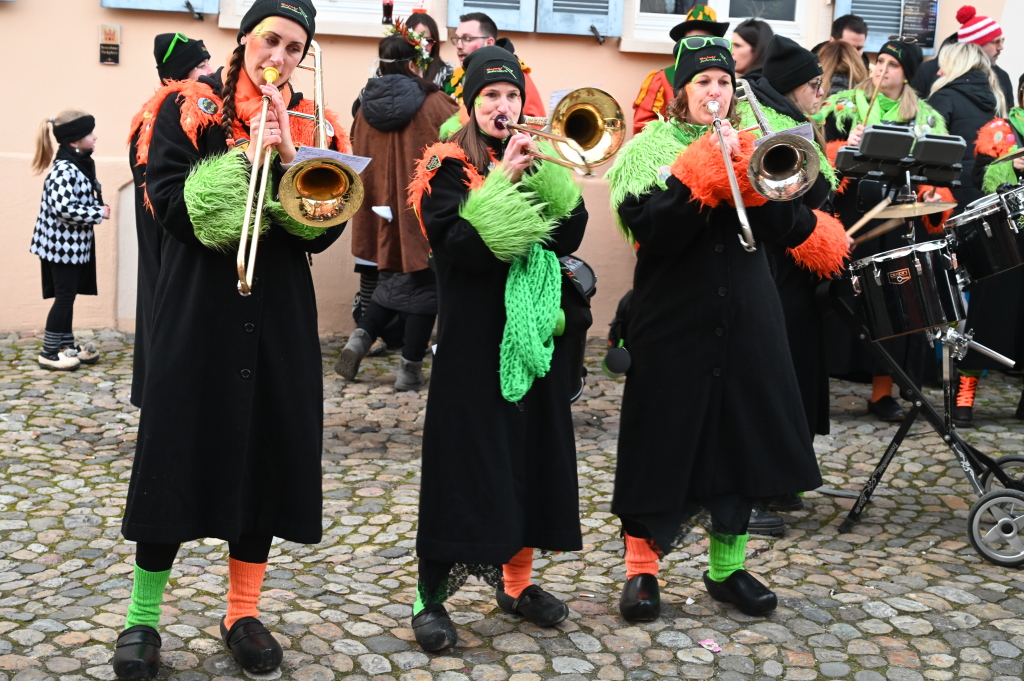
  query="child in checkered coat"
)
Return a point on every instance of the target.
[{"x": 63, "y": 239}]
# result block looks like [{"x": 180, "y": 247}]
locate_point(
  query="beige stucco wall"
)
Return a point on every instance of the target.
[{"x": 56, "y": 42}]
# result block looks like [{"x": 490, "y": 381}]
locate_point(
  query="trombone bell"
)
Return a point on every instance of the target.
[
  {"x": 593, "y": 120},
  {"x": 783, "y": 167},
  {"x": 321, "y": 192}
]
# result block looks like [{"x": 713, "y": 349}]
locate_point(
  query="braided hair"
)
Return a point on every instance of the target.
[{"x": 227, "y": 92}]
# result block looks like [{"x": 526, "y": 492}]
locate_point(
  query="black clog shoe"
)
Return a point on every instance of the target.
[
  {"x": 887, "y": 409},
  {"x": 641, "y": 598},
  {"x": 744, "y": 591},
  {"x": 434, "y": 629},
  {"x": 254, "y": 648},
  {"x": 137, "y": 653},
  {"x": 535, "y": 605}
]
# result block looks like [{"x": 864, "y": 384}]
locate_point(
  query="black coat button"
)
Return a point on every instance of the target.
[
  {"x": 719, "y": 331},
  {"x": 716, "y": 372},
  {"x": 721, "y": 290},
  {"x": 245, "y": 373},
  {"x": 719, "y": 248},
  {"x": 249, "y": 327}
]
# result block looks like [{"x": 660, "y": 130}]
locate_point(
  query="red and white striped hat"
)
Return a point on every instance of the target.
[{"x": 975, "y": 29}]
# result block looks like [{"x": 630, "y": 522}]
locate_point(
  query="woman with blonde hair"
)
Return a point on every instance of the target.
[
  {"x": 71, "y": 206},
  {"x": 841, "y": 66}
]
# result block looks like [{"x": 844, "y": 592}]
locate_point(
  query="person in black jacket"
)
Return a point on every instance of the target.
[{"x": 178, "y": 57}]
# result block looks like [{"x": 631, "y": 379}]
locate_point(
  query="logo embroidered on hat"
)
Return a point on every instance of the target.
[
  {"x": 501, "y": 69},
  {"x": 298, "y": 10},
  {"x": 710, "y": 59}
]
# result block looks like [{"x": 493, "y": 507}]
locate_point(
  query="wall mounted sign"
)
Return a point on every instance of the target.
[{"x": 110, "y": 43}]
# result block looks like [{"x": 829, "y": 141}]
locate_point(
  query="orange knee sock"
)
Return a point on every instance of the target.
[
  {"x": 516, "y": 572},
  {"x": 640, "y": 557},
  {"x": 881, "y": 386},
  {"x": 245, "y": 580}
]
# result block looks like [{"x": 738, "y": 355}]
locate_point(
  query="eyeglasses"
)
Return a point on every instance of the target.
[
  {"x": 463, "y": 39},
  {"x": 816, "y": 84},
  {"x": 177, "y": 37},
  {"x": 908, "y": 39},
  {"x": 429, "y": 41},
  {"x": 697, "y": 42}
]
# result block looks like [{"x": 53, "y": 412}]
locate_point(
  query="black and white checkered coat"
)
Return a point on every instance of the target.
[{"x": 68, "y": 211}]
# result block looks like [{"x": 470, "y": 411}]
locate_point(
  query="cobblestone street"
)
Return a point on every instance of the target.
[{"x": 902, "y": 597}]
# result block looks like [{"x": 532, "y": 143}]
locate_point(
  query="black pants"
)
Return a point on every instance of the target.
[
  {"x": 65, "y": 286},
  {"x": 250, "y": 548},
  {"x": 417, "y": 328}
]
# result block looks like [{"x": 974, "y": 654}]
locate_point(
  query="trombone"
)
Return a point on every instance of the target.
[
  {"x": 587, "y": 129},
  {"x": 318, "y": 192}
]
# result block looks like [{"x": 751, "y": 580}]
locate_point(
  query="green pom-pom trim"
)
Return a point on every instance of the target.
[
  {"x": 554, "y": 185},
  {"x": 637, "y": 168},
  {"x": 997, "y": 174},
  {"x": 213, "y": 192},
  {"x": 508, "y": 219},
  {"x": 275, "y": 212},
  {"x": 779, "y": 122},
  {"x": 449, "y": 127}
]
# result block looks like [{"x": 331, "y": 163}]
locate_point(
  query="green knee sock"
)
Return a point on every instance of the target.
[
  {"x": 147, "y": 595},
  {"x": 726, "y": 553},
  {"x": 426, "y": 596}
]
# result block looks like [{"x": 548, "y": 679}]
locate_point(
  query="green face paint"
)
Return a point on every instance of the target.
[{"x": 479, "y": 102}]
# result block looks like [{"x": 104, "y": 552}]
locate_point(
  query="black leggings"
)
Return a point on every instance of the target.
[
  {"x": 250, "y": 548},
  {"x": 65, "y": 288},
  {"x": 417, "y": 328}
]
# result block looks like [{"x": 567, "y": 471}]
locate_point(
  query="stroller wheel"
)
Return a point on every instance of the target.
[
  {"x": 1011, "y": 464},
  {"x": 996, "y": 526}
]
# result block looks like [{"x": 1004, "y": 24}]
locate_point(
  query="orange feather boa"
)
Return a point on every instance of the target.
[
  {"x": 701, "y": 168},
  {"x": 825, "y": 250}
]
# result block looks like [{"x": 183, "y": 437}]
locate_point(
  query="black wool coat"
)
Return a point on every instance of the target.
[
  {"x": 711, "y": 405},
  {"x": 231, "y": 434},
  {"x": 149, "y": 235},
  {"x": 497, "y": 476}
]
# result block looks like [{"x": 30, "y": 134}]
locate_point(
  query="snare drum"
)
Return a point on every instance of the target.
[
  {"x": 986, "y": 237},
  {"x": 909, "y": 289}
]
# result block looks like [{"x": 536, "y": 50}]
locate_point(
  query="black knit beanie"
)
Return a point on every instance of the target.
[
  {"x": 176, "y": 55},
  {"x": 907, "y": 54},
  {"x": 74, "y": 130},
  {"x": 491, "y": 64},
  {"x": 691, "y": 62},
  {"x": 787, "y": 66},
  {"x": 301, "y": 12}
]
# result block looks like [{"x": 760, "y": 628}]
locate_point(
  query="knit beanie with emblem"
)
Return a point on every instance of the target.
[
  {"x": 691, "y": 62},
  {"x": 907, "y": 54},
  {"x": 975, "y": 29},
  {"x": 301, "y": 12},
  {"x": 177, "y": 54},
  {"x": 487, "y": 65},
  {"x": 699, "y": 18},
  {"x": 787, "y": 66}
]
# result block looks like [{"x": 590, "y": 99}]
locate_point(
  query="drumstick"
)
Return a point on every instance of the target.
[
  {"x": 882, "y": 205},
  {"x": 871, "y": 105},
  {"x": 886, "y": 226}
]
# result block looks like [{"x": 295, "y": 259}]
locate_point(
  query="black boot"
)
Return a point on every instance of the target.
[
  {"x": 887, "y": 409},
  {"x": 744, "y": 591},
  {"x": 534, "y": 605},
  {"x": 641, "y": 598},
  {"x": 137, "y": 653},
  {"x": 434, "y": 629},
  {"x": 763, "y": 522},
  {"x": 255, "y": 649},
  {"x": 786, "y": 502}
]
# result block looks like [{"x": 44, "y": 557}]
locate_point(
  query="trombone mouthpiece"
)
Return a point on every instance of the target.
[
  {"x": 712, "y": 106},
  {"x": 501, "y": 121},
  {"x": 270, "y": 74}
]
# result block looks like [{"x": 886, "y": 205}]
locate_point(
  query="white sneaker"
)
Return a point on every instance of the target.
[{"x": 66, "y": 361}]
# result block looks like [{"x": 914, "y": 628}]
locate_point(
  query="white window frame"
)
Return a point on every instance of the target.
[
  {"x": 648, "y": 32},
  {"x": 346, "y": 17}
]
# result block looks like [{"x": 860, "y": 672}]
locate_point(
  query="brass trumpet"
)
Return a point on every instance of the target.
[
  {"x": 319, "y": 192},
  {"x": 587, "y": 129}
]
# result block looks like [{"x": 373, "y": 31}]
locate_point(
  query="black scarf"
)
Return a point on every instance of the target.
[{"x": 85, "y": 163}]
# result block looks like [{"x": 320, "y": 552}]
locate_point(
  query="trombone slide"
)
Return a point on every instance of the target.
[{"x": 746, "y": 235}]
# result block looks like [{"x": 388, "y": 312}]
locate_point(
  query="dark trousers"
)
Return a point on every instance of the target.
[
  {"x": 417, "y": 328},
  {"x": 251, "y": 548},
  {"x": 65, "y": 286}
]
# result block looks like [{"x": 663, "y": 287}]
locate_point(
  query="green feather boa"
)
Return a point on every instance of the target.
[
  {"x": 779, "y": 122},
  {"x": 996, "y": 175},
  {"x": 637, "y": 168},
  {"x": 848, "y": 107},
  {"x": 213, "y": 197},
  {"x": 507, "y": 218},
  {"x": 554, "y": 185},
  {"x": 449, "y": 127}
]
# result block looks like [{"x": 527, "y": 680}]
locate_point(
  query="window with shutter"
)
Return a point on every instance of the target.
[
  {"x": 334, "y": 17},
  {"x": 508, "y": 15},
  {"x": 884, "y": 18},
  {"x": 576, "y": 17},
  {"x": 202, "y": 6}
]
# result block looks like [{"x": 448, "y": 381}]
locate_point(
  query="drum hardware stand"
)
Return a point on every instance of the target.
[{"x": 972, "y": 461}]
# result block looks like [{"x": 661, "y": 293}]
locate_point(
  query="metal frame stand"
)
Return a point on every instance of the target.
[{"x": 954, "y": 346}]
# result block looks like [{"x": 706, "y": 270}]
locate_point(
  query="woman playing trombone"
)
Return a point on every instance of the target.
[
  {"x": 708, "y": 342},
  {"x": 499, "y": 462},
  {"x": 230, "y": 438}
]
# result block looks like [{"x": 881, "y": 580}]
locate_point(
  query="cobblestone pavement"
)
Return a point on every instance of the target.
[{"x": 903, "y": 597}]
